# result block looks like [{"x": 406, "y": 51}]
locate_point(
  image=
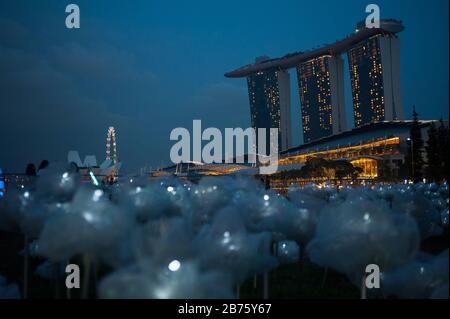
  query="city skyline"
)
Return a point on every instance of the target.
[
  {"x": 123, "y": 68},
  {"x": 374, "y": 70}
]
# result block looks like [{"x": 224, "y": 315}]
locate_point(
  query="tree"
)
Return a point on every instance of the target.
[
  {"x": 443, "y": 146},
  {"x": 317, "y": 167},
  {"x": 385, "y": 170},
  {"x": 433, "y": 168},
  {"x": 314, "y": 167},
  {"x": 344, "y": 168},
  {"x": 414, "y": 159}
]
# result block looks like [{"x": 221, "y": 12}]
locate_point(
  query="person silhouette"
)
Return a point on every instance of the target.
[
  {"x": 30, "y": 170},
  {"x": 43, "y": 165},
  {"x": 73, "y": 167},
  {"x": 2, "y": 184}
]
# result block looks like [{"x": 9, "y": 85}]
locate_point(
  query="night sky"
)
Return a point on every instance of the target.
[{"x": 147, "y": 67}]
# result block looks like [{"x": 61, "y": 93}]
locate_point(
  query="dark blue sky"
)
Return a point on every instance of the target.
[{"x": 147, "y": 67}]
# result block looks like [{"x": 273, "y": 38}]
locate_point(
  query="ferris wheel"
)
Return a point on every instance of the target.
[{"x": 111, "y": 145}]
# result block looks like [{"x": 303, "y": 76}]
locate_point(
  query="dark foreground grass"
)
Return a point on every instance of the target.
[
  {"x": 287, "y": 281},
  {"x": 294, "y": 281}
]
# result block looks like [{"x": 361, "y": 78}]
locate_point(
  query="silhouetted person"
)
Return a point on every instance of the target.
[
  {"x": 43, "y": 165},
  {"x": 30, "y": 170},
  {"x": 73, "y": 167},
  {"x": 267, "y": 182}
]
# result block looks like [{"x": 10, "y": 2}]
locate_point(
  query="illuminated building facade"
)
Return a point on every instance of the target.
[
  {"x": 374, "y": 58},
  {"x": 375, "y": 78},
  {"x": 379, "y": 149},
  {"x": 321, "y": 88},
  {"x": 270, "y": 106}
]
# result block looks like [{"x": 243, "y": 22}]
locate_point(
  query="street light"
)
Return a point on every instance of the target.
[{"x": 412, "y": 156}]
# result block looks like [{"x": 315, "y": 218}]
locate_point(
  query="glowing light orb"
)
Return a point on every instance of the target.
[
  {"x": 174, "y": 265},
  {"x": 97, "y": 194}
]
